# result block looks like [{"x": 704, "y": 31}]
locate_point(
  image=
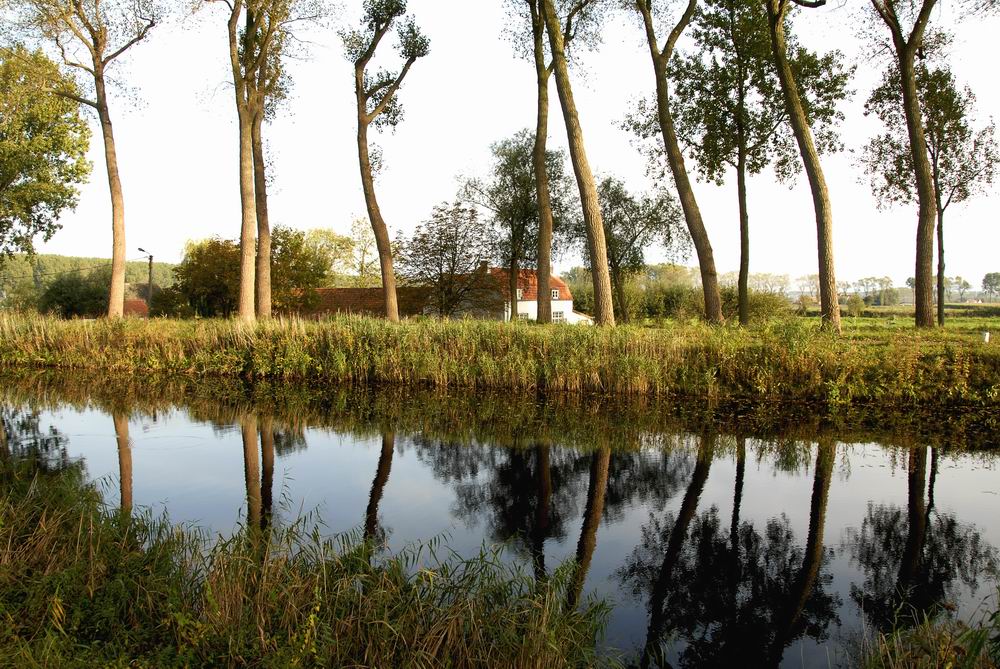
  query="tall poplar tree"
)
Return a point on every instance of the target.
[
  {"x": 378, "y": 105},
  {"x": 603, "y": 308},
  {"x": 661, "y": 57},
  {"x": 580, "y": 21},
  {"x": 90, "y": 37},
  {"x": 729, "y": 109},
  {"x": 963, "y": 160}
]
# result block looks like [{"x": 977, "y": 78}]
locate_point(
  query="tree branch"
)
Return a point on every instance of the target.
[{"x": 392, "y": 91}]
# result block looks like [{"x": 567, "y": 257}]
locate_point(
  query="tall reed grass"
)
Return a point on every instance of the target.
[
  {"x": 84, "y": 586},
  {"x": 779, "y": 361}
]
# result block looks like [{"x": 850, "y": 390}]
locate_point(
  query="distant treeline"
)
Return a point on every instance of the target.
[{"x": 24, "y": 278}]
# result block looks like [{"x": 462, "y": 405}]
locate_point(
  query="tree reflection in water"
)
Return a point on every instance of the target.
[
  {"x": 913, "y": 559},
  {"x": 731, "y": 596},
  {"x": 22, "y": 438},
  {"x": 373, "y": 531}
]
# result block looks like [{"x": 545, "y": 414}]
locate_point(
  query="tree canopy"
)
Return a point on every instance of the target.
[{"x": 43, "y": 147}]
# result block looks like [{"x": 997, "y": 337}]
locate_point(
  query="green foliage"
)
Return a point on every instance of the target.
[
  {"x": 855, "y": 305},
  {"x": 446, "y": 254},
  {"x": 43, "y": 148},
  {"x": 963, "y": 161},
  {"x": 209, "y": 276},
  {"x": 24, "y": 278},
  {"x": 75, "y": 295},
  {"x": 86, "y": 586},
  {"x": 297, "y": 267},
  {"x": 510, "y": 198}
]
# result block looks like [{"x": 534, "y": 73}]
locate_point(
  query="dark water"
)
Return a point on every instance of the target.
[{"x": 729, "y": 536}]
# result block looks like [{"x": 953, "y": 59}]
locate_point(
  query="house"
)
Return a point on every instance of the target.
[
  {"x": 137, "y": 307},
  {"x": 527, "y": 297}
]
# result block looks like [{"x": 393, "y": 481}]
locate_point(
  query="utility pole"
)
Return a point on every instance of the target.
[{"x": 149, "y": 288}]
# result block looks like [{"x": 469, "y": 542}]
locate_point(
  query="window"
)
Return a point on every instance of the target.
[
  {"x": 520, "y": 293},
  {"x": 558, "y": 316},
  {"x": 522, "y": 316},
  {"x": 555, "y": 293}
]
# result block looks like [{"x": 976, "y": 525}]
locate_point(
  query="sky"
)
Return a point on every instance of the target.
[{"x": 175, "y": 128}]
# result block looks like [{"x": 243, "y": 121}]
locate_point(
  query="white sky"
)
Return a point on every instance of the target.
[{"x": 177, "y": 143}]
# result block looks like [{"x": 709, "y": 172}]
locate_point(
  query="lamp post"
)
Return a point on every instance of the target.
[{"x": 149, "y": 288}]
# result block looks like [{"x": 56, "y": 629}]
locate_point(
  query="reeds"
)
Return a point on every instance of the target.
[
  {"x": 81, "y": 585},
  {"x": 785, "y": 360}
]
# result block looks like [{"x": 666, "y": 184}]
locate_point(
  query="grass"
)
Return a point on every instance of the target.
[
  {"x": 85, "y": 586},
  {"x": 936, "y": 643},
  {"x": 784, "y": 360}
]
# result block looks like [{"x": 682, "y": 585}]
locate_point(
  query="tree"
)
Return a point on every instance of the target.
[
  {"x": 510, "y": 195},
  {"x": 991, "y": 283},
  {"x": 962, "y": 161},
  {"x": 75, "y": 295},
  {"x": 798, "y": 118},
  {"x": 907, "y": 25},
  {"x": 597, "y": 248},
  {"x": 446, "y": 254},
  {"x": 580, "y": 26},
  {"x": 209, "y": 277},
  {"x": 90, "y": 37},
  {"x": 43, "y": 144},
  {"x": 729, "y": 109},
  {"x": 661, "y": 57},
  {"x": 364, "y": 255},
  {"x": 299, "y": 268},
  {"x": 631, "y": 225},
  {"x": 337, "y": 248},
  {"x": 962, "y": 286},
  {"x": 257, "y": 31},
  {"x": 377, "y": 104}
]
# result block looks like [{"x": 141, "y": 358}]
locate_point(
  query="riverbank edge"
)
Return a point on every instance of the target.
[{"x": 782, "y": 361}]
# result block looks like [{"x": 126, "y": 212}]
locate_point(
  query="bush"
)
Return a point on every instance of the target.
[
  {"x": 74, "y": 295},
  {"x": 855, "y": 305},
  {"x": 171, "y": 303}
]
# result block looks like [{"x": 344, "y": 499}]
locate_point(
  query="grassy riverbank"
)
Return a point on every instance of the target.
[
  {"x": 786, "y": 360},
  {"x": 84, "y": 586}
]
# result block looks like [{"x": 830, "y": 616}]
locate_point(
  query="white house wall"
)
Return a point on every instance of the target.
[{"x": 531, "y": 309}]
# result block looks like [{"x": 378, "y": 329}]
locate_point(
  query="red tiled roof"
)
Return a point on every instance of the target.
[
  {"x": 527, "y": 281},
  {"x": 136, "y": 307}
]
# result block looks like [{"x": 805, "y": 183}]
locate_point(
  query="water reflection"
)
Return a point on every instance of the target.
[
  {"x": 914, "y": 560},
  {"x": 689, "y": 518}
]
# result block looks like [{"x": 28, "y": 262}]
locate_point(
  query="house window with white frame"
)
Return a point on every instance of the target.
[
  {"x": 520, "y": 293},
  {"x": 522, "y": 316},
  {"x": 555, "y": 293},
  {"x": 558, "y": 316}
]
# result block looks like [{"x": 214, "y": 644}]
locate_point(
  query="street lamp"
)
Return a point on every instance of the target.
[{"x": 149, "y": 288}]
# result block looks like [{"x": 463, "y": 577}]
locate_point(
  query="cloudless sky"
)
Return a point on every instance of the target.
[{"x": 175, "y": 126}]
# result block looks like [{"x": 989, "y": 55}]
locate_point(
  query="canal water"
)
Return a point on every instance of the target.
[{"x": 725, "y": 536}]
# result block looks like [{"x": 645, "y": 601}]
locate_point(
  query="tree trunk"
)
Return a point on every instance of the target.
[
  {"x": 829, "y": 303},
  {"x": 374, "y": 213},
  {"x": 378, "y": 485},
  {"x": 116, "y": 299},
  {"x": 619, "y": 285},
  {"x": 940, "y": 266},
  {"x": 675, "y": 542},
  {"x": 267, "y": 470},
  {"x": 675, "y": 158},
  {"x": 744, "y": 288},
  {"x": 124, "y": 461},
  {"x": 248, "y": 229},
  {"x": 596, "y": 491},
  {"x": 263, "y": 274},
  {"x": 926, "y": 206},
  {"x": 603, "y": 307},
  {"x": 251, "y": 470},
  {"x": 542, "y": 194},
  {"x": 512, "y": 281}
]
